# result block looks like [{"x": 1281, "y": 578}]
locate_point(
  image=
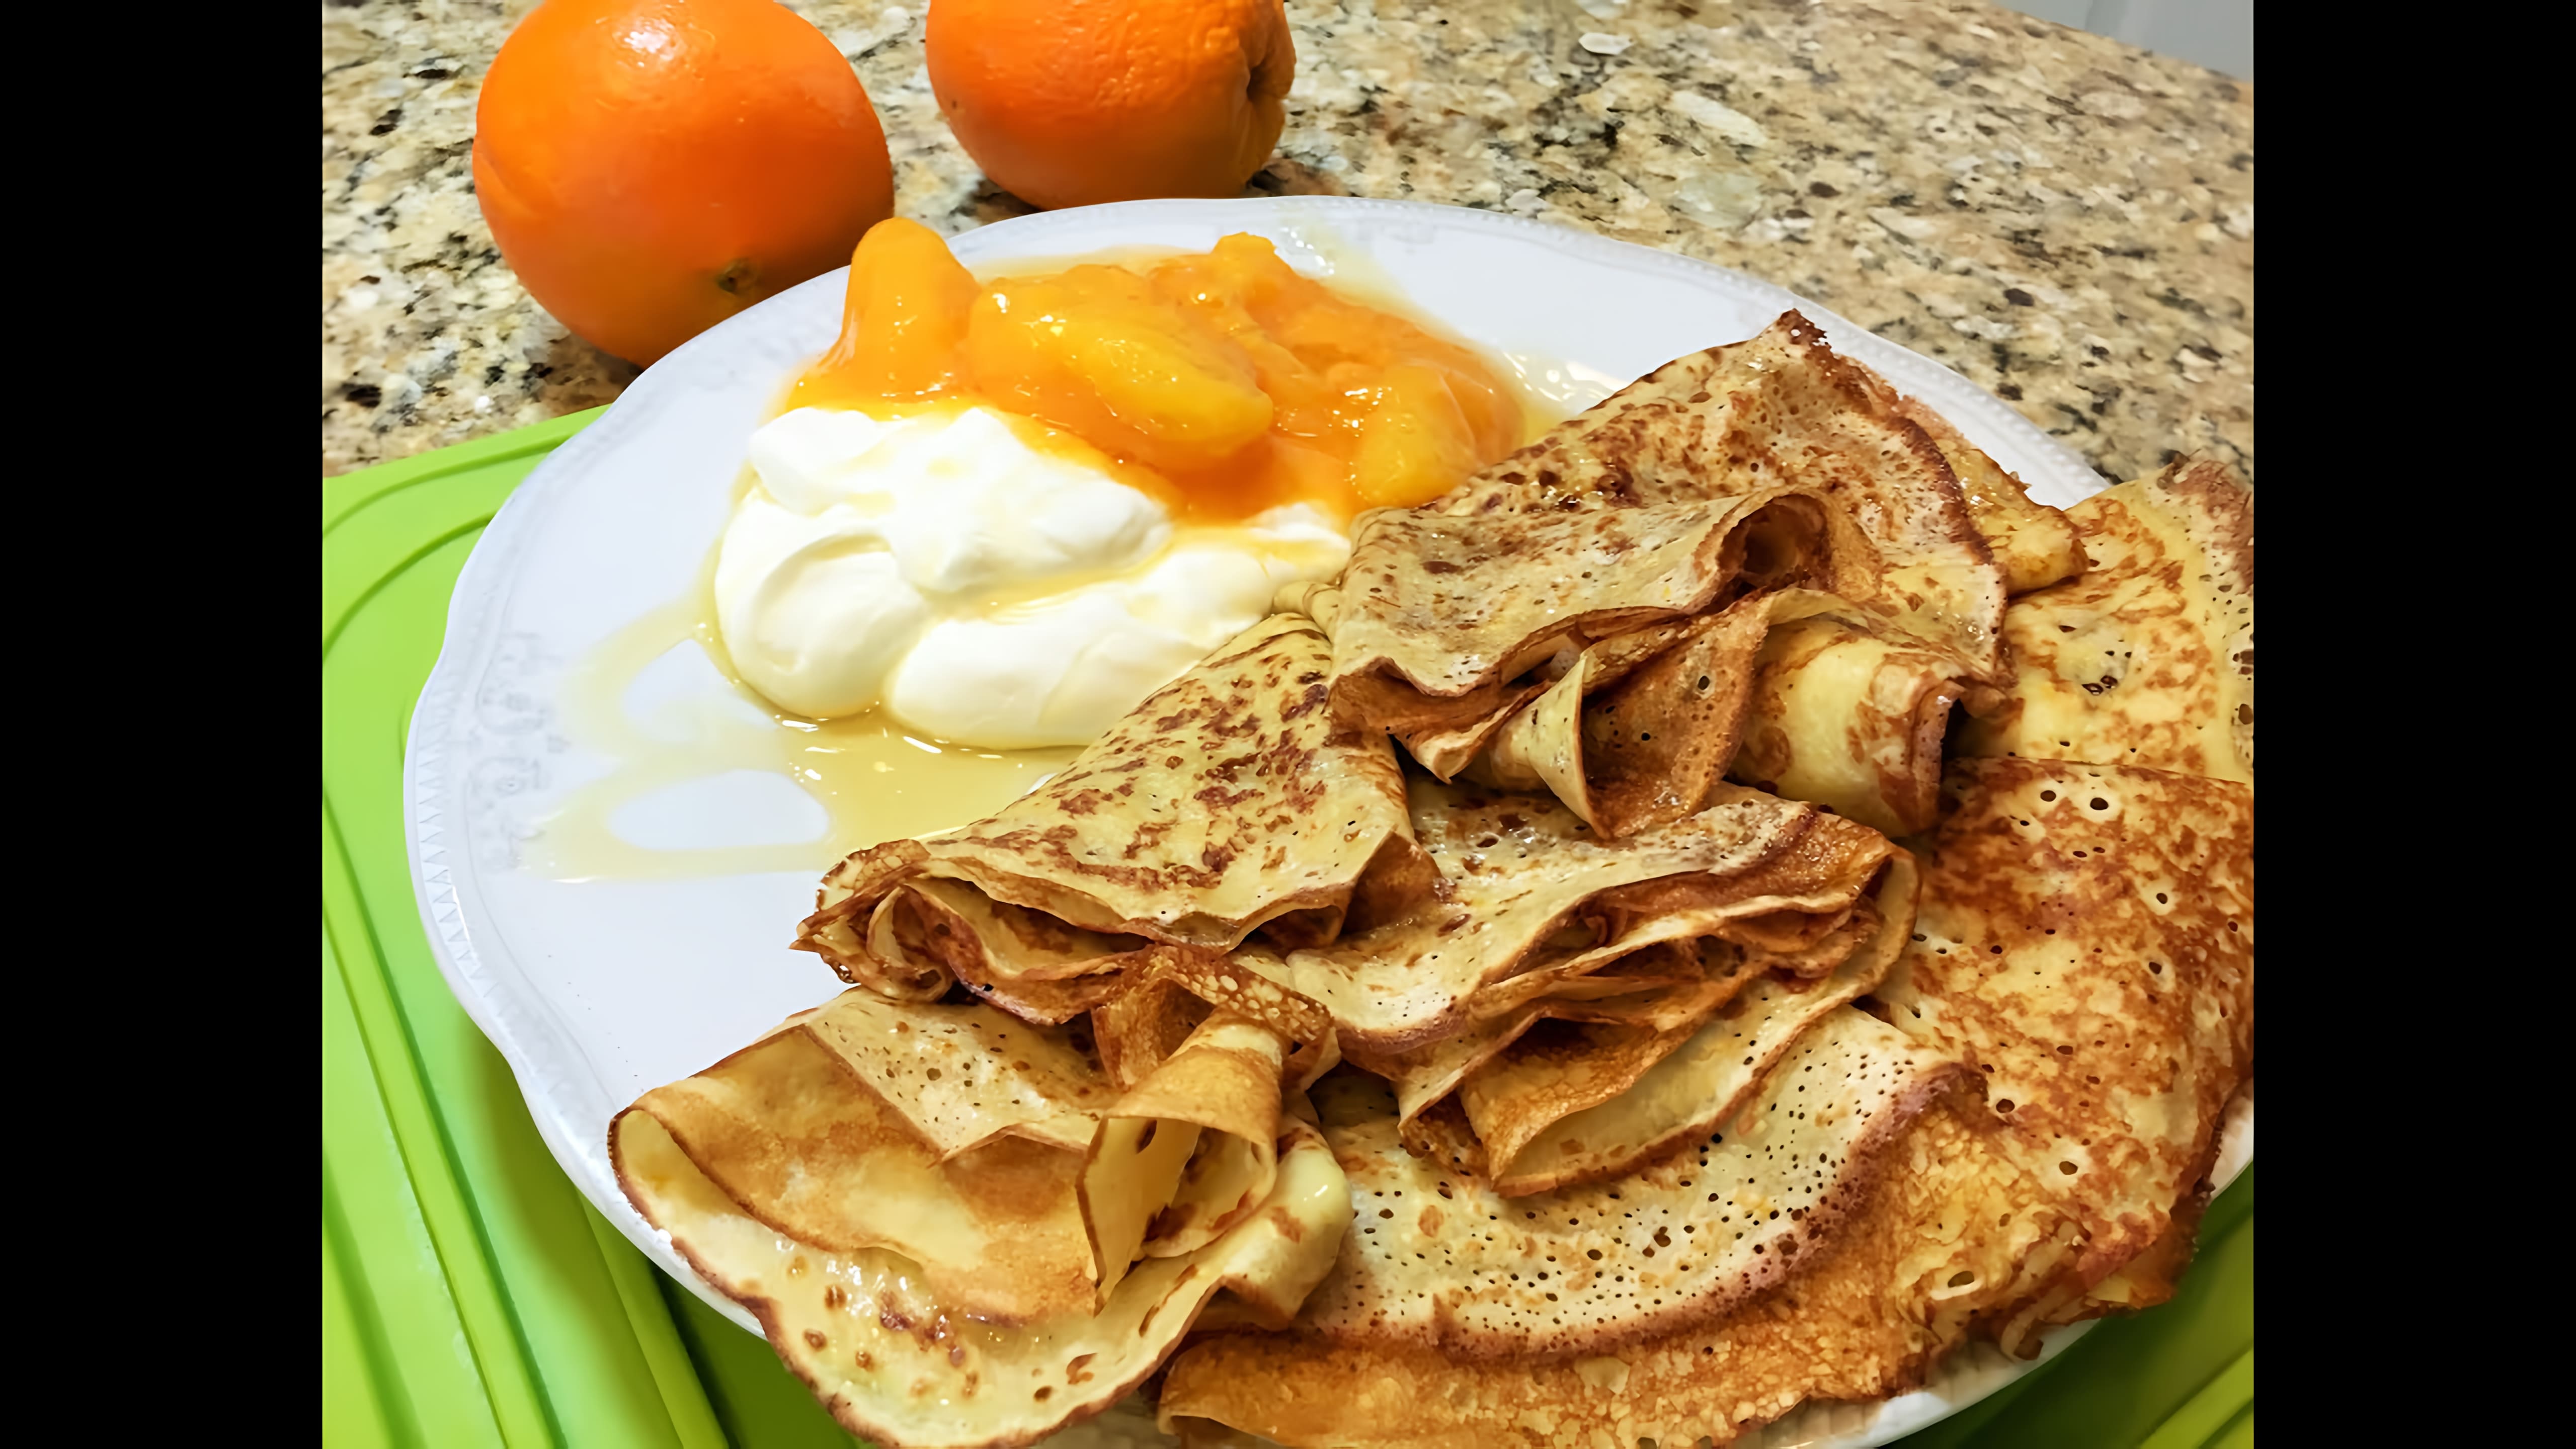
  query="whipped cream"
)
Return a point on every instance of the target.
[{"x": 980, "y": 590}]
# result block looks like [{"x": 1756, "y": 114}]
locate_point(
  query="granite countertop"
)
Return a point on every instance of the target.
[{"x": 2063, "y": 219}]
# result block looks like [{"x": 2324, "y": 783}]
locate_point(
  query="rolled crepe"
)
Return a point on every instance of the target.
[
  {"x": 914, "y": 1198},
  {"x": 2148, "y": 658},
  {"x": 1853, "y": 714},
  {"x": 1228, "y": 802}
]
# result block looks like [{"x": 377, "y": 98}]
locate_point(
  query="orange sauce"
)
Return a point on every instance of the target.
[{"x": 1222, "y": 383}]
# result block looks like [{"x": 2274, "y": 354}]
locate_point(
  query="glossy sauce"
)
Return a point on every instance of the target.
[
  {"x": 873, "y": 781},
  {"x": 1222, "y": 383}
]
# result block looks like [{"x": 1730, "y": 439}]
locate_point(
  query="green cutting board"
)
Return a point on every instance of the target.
[{"x": 471, "y": 1296}]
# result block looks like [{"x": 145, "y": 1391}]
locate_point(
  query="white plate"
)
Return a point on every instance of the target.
[{"x": 596, "y": 992}]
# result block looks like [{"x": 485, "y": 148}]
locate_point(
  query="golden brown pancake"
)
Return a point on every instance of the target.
[
  {"x": 804, "y": 1142},
  {"x": 1950, "y": 1237},
  {"x": 912, "y": 1195},
  {"x": 1226, "y": 803},
  {"x": 1440, "y": 1259},
  {"x": 2033, "y": 544},
  {"x": 1438, "y": 613},
  {"x": 2086, "y": 940},
  {"x": 1850, "y": 712},
  {"x": 1626, "y": 1078},
  {"x": 1642, "y": 726},
  {"x": 1522, "y": 631},
  {"x": 893, "y": 1363},
  {"x": 1529, "y": 889},
  {"x": 1782, "y": 408},
  {"x": 2148, "y": 658}
]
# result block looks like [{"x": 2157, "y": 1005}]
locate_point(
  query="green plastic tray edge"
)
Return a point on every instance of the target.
[{"x": 428, "y": 1337}]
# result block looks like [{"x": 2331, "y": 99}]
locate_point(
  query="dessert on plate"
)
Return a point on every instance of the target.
[{"x": 1603, "y": 930}]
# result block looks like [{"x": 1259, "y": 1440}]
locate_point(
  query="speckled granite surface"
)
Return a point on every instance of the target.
[{"x": 2063, "y": 219}]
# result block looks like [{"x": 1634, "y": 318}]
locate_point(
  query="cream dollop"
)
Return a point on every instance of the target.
[{"x": 976, "y": 588}]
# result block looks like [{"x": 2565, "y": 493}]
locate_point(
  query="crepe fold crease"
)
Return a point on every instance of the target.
[
  {"x": 958, "y": 1228},
  {"x": 1644, "y": 601},
  {"x": 2147, "y": 658},
  {"x": 1571, "y": 1087},
  {"x": 1227, "y": 803},
  {"x": 2086, "y": 939},
  {"x": 1535, "y": 905}
]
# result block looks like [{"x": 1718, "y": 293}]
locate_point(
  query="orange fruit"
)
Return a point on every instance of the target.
[
  {"x": 1071, "y": 102},
  {"x": 651, "y": 167}
]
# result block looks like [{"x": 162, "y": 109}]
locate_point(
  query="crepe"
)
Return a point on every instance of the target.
[
  {"x": 1851, "y": 713},
  {"x": 1642, "y": 726},
  {"x": 2033, "y": 544},
  {"x": 1499, "y": 637},
  {"x": 1949, "y": 1239},
  {"x": 970, "y": 1143},
  {"x": 891, "y": 1364},
  {"x": 1227, "y": 802},
  {"x": 1778, "y": 409},
  {"x": 1439, "y": 616},
  {"x": 1440, "y": 1260},
  {"x": 978, "y": 1200},
  {"x": 1628, "y": 1078},
  {"x": 2148, "y": 658},
  {"x": 2086, "y": 940},
  {"x": 1528, "y": 889},
  {"x": 1592, "y": 1110}
]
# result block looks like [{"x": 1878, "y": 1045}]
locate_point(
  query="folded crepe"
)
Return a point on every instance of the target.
[
  {"x": 1949, "y": 1240},
  {"x": 1534, "y": 903},
  {"x": 1641, "y": 726},
  {"x": 1228, "y": 802},
  {"x": 1566, "y": 1091},
  {"x": 1796, "y": 692},
  {"x": 2033, "y": 544},
  {"x": 2086, "y": 940},
  {"x": 2148, "y": 658},
  {"x": 1850, "y": 712},
  {"x": 1441, "y": 1260},
  {"x": 959, "y": 1228},
  {"x": 1444, "y": 627},
  {"x": 1779, "y": 409},
  {"x": 1528, "y": 631}
]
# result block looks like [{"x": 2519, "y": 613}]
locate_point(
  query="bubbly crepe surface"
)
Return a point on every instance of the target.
[
  {"x": 1951, "y": 1233},
  {"x": 2086, "y": 940},
  {"x": 1440, "y": 1260},
  {"x": 2147, "y": 658}
]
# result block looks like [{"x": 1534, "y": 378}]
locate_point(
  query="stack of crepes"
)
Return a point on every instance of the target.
[
  {"x": 2015, "y": 1127},
  {"x": 1554, "y": 1085}
]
